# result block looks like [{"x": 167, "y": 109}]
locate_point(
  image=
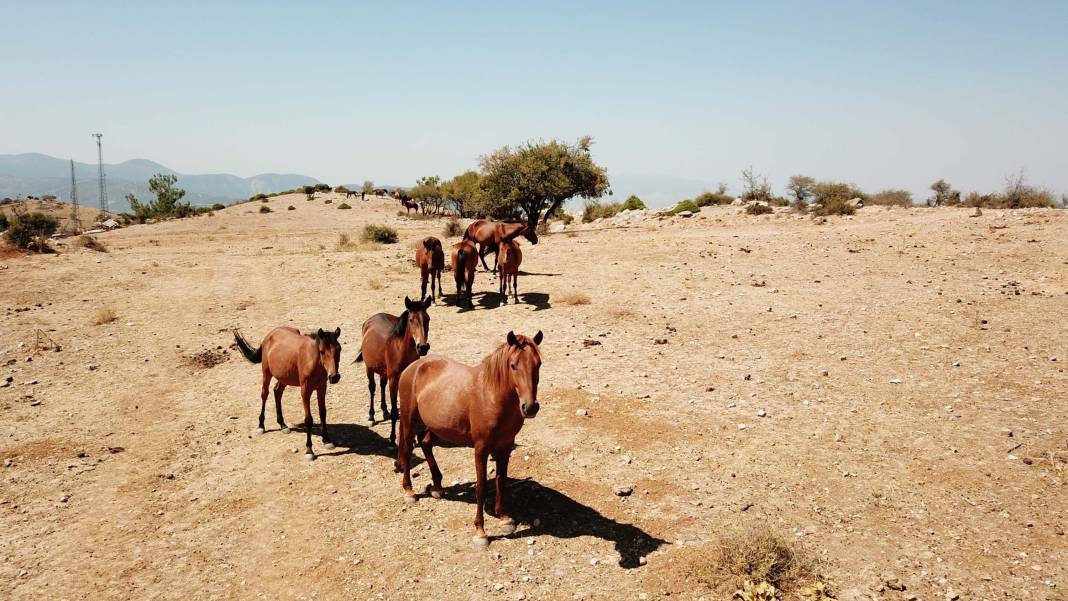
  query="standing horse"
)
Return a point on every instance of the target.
[
  {"x": 489, "y": 235},
  {"x": 389, "y": 345},
  {"x": 295, "y": 360},
  {"x": 464, "y": 265},
  {"x": 508, "y": 262},
  {"x": 483, "y": 407},
  {"x": 431, "y": 261},
  {"x": 409, "y": 205}
]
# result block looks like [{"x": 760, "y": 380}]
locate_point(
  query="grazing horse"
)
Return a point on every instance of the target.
[
  {"x": 431, "y": 261},
  {"x": 296, "y": 360},
  {"x": 380, "y": 192},
  {"x": 389, "y": 345},
  {"x": 483, "y": 407},
  {"x": 508, "y": 262},
  {"x": 409, "y": 205},
  {"x": 352, "y": 193},
  {"x": 464, "y": 265},
  {"x": 489, "y": 235}
]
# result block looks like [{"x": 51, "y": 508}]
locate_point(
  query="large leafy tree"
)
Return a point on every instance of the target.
[
  {"x": 168, "y": 201},
  {"x": 537, "y": 177},
  {"x": 463, "y": 193},
  {"x": 800, "y": 186},
  {"x": 427, "y": 192}
]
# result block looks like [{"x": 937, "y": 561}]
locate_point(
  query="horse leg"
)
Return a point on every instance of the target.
[
  {"x": 371, "y": 387},
  {"x": 502, "y": 287},
  {"x": 263, "y": 398},
  {"x": 393, "y": 409},
  {"x": 278, "y": 389},
  {"x": 404, "y": 460},
  {"x": 426, "y": 442},
  {"x": 320, "y": 395},
  {"x": 305, "y": 397},
  {"x": 501, "y": 458},
  {"x": 483, "y": 250},
  {"x": 515, "y": 286},
  {"x": 496, "y": 254},
  {"x": 382, "y": 385},
  {"x": 422, "y": 277},
  {"x": 480, "y": 539}
]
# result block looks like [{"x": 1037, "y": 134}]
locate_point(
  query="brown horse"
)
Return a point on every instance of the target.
[
  {"x": 464, "y": 265},
  {"x": 483, "y": 407},
  {"x": 431, "y": 261},
  {"x": 508, "y": 262},
  {"x": 489, "y": 235},
  {"x": 389, "y": 345},
  {"x": 295, "y": 360},
  {"x": 409, "y": 205}
]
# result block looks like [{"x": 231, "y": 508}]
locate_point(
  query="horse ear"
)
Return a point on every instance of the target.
[
  {"x": 321, "y": 333},
  {"x": 337, "y": 333},
  {"x": 427, "y": 302},
  {"x": 407, "y": 303},
  {"x": 511, "y": 339},
  {"x": 428, "y": 243},
  {"x": 538, "y": 337}
]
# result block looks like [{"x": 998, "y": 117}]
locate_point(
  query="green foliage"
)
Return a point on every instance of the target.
[
  {"x": 594, "y": 210},
  {"x": 218, "y": 207},
  {"x": 344, "y": 205},
  {"x": 322, "y": 188},
  {"x": 464, "y": 193},
  {"x": 537, "y": 177},
  {"x": 825, "y": 192},
  {"x": 308, "y": 190},
  {"x": 265, "y": 209},
  {"x": 835, "y": 206},
  {"x": 758, "y": 208},
  {"x": 944, "y": 195},
  {"x": 891, "y": 198},
  {"x": 261, "y": 197},
  {"x": 341, "y": 190},
  {"x": 633, "y": 203},
  {"x": 706, "y": 199},
  {"x": 168, "y": 203},
  {"x": 1017, "y": 194},
  {"x": 801, "y": 188},
  {"x": 686, "y": 205},
  {"x": 30, "y": 231},
  {"x": 379, "y": 233},
  {"x": 427, "y": 192},
  {"x": 778, "y": 201},
  {"x": 755, "y": 187}
]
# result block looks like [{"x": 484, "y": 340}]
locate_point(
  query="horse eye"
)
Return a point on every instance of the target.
[{"x": 513, "y": 366}]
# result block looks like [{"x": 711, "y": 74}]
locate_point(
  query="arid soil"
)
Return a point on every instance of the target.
[{"x": 887, "y": 391}]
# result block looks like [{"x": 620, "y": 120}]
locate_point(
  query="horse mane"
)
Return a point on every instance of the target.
[
  {"x": 495, "y": 367},
  {"x": 401, "y": 326},
  {"x": 518, "y": 231}
]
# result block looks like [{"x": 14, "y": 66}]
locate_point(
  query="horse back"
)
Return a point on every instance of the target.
[
  {"x": 438, "y": 393},
  {"x": 286, "y": 355}
]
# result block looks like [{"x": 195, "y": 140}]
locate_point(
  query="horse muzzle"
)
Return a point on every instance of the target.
[
  {"x": 422, "y": 349},
  {"x": 529, "y": 411},
  {"x": 335, "y": 378}
]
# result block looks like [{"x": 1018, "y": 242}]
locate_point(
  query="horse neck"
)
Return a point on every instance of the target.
[{"x": 496, "y": 378}]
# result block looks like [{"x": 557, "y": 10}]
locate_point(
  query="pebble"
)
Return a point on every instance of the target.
[
  {"x": 824, "y": 372},
  {"x": 623, "y": 491},
  {"x": 64, "y": 499},
  {"x": 7, "y": 462},
  {"x": 761, "y": 413},
  {"x": 742, "y": 426},
  {"x": 838, "y": 437},
  {"x": 582, "y": 412}
]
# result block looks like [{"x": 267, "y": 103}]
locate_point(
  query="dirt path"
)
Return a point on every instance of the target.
[{"x": 853, "y": 385}]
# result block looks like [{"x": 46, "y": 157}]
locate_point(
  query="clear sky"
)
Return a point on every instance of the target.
[{"x": 883, "y": 94}]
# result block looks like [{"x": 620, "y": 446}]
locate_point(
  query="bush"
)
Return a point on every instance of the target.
[
  {"x": 1016, "y": 195},
  {"x": 218, "y": 207},
  {"x": 594, "y": 210},
  {"x": 102, "y": 316},
  {"x": 686, "y": 205},
  {"x": 308, "y": 190},
  {"x": 341, "y": 190},
  {"x": 291, "y": 208},
  {"x": 825, "y": 192},
  {"x": 758, "y": 208},
  {"x": 322, "y": 188},
  {"x": 262, "y": 197},
  {"x": 30, "y": 231},
  {"x": 343, "y": 205},
  {"x": 757, "y": 555},
  {"x": 891, "y": 198},
  {"x": 453, "y": 228},
  {"x": 379, "y": 233},
  {"x": 4, "y": 222},
  {"x": 779, "y": 201},
  {"x": 265, "y": 209},
  {"x": 707, "y": 199},
  {"x": 91, "y": 243},
  {"x": 327, "y": 201},
  {"x": 835, "y": 206},
  {"x": 633, "y": 203}
]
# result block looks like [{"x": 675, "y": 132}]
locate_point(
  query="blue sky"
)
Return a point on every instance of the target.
[{"x": 893, "y": 94}]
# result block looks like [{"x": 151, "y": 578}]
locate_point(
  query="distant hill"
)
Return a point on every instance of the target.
[
  {"x": 655, "y": 190},
  {"x": 34, "y": 174}
]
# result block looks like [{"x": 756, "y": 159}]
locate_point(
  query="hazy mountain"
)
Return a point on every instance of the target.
[
  {"x": 33, "y": 174},
  {"x": 656, "y": 190}
]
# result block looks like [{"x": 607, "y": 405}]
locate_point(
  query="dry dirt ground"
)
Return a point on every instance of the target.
[{"x": 887, "y": 391}]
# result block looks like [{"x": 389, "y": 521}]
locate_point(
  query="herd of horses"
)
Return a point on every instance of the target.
[{"x": 432, "y": 398}]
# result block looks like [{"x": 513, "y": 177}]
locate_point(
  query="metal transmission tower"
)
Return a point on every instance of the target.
[
  {"x": 103, "y": 184},
  {"x": 75, "y": 210}
]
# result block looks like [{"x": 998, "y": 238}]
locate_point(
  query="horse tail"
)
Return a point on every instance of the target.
[
  {"x": 461, "y": 263},
  {"x": 359, "y": 358},
  {"x": 253, "y": 355}
]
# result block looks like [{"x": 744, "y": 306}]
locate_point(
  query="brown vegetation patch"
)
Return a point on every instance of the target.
[
  {"x": 102, "y": 316},
  {"x": 209, "y": 358}
]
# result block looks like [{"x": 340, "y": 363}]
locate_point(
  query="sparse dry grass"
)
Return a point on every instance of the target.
[
  {"x": 757, "y": 555},
  {"x": 347, "y": 244},
  {"x": 573, "y": 298},
  {"x": 91, "y": 243},
  {"x": 375, "y": 284},
  {"x": 103, "y": 315}
]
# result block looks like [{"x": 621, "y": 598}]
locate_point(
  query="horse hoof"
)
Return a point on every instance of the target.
[
  {"x": 434, "y": 492},
  {"x": 370, "y": 421},
  {"x": 480, "y": 542},
  {"x": 329, "y": 445},
  {"x": 508, "y": 528},
  {"x": 285, "y": 430},
  {"x": 309, "y": 457},
  {"x": 260, "y": 430},
  {"x": 409, "y": 499}
]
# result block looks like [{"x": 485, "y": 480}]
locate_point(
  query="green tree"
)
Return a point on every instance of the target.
[
  {"x": 800, "y": 186},
  {"x": 537, "y": 177},
  {"x": 168, "y": 203},
  {"x": 427, "y": 192},
  {"x": 463, "y": 193},
  {"x": 633, "y": 203},
  {"x": 944, "y": 194}
]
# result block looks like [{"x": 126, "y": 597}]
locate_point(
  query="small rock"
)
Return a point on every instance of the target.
[
  {"x": 64, "y": 499},
  {"x": 7, "y": 462},
  {"x": 582, "y": 413},
  {"x": 742, "y": 426},
  {"x": 498, "y": 587},
  {"x": 594, "y": 561},
  {"x": 895, "y": 584},
  {"x": 623, "y": 491},
  {"x": 824, "y": 372},
  {"x": 761, "y": 413},
  {"x": 660, "y": 341},
  {"x": 642, "y": 561},
  {"x": 838, "y": 437},
  {"x": 895, "y": 381}
]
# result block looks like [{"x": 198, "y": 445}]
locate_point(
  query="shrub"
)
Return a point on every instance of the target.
[
  {"x": 633, "y": 203},
  {"x": 594, "y": 210},
  {"x": 322, "y": 188},
  {"x": 218, "y": 206},
  {"x": 758, "y": 208},
  {"x": 260, "y": 197},
  {"x": 30, "y": 231},
  {"x": 779, "y": 201},
  {"x": 756, "y": 555},
  {"x": 453, "y": 228},
  {"x": 567, "y": 219},
  {"x": 327, "y": 201},
  {"x": 308, "y": 190},
  {"x": 686, "y": 205},
  {"x": 4, "y": 222},
  {"x": 379, "y": 233},
  {"x": 341, "y": 190},
  {"x": 265, "y": 209},
  {"x": 825, "y": 192},
  {"x": 573, "y": 298},
  {"x": 264, "y": 199},
  {"x": 891, "y": 198},
  {"x": 91, "y": 243},
  {"x": 835, "y": 206},
  {"x": 707, "y": 199},
  {"x": 102, "y": 316},
  {"x": 291, "y": 208},
  {"x": 343, "y": 205}
]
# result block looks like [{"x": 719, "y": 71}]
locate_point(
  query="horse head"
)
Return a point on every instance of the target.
[
  {"x": 524, "y": 363},
  {"x": 330, "y": 353},
  {"x": 415, "y": 320}
]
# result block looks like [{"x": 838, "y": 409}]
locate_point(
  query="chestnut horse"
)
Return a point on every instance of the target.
[
  {"x": 431, "y": 261},
  {"x": 296, "y": 360},
  {"x": 508, "y": 262},
  {"x": 389, "y": 345},
  {"x": 483, "y": 407},
  {"x": 409, "y": 205},
  {"x": 464, "y": 265},
  {"x": 489, "y": 235}
]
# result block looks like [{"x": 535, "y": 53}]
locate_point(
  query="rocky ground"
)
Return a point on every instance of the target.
[{"x": 887, "y": 391}]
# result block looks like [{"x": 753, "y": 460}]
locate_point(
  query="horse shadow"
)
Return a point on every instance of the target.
[
  {"x": 493, "y": 300},
  {"x": 353, "y": 439},
  {"x": 560, "y": 516}
]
